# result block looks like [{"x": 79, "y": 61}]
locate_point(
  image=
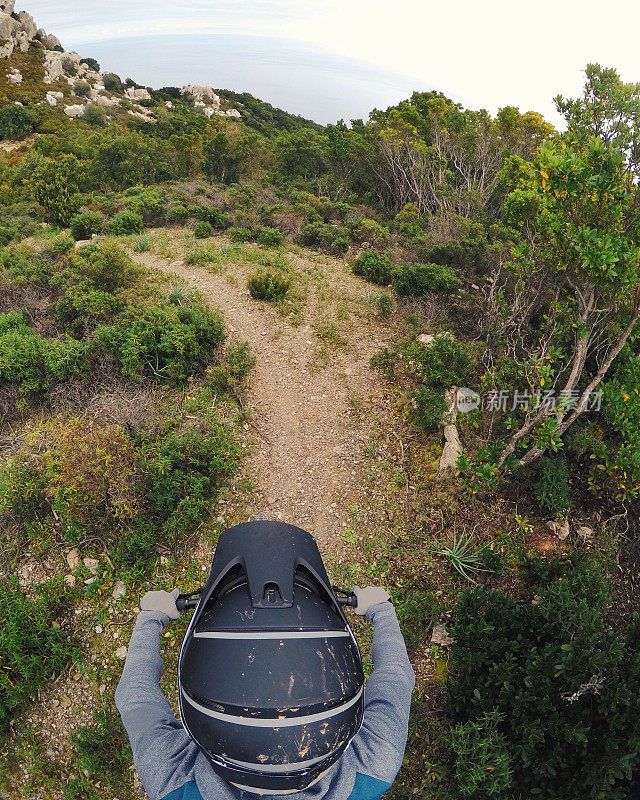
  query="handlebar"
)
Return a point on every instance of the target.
[{"x": 343, "y": 598}]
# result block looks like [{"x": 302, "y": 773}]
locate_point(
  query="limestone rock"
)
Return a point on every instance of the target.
[
  {"x": 440, "y": 636},
  {"x": 91, "y": 564},
  {"x": 52, "y": 98},
  {"x": 102, "y": 100},
  {"x": 200, "y": 92},
  {"x": 49, "y": 41},
  {"x": 70, "y": 580},
  {"x": 73, "y": 558},
  {"x": 119, "y": 590},
  {"x": 27, "y": 25},
  {"x": 137, "y": 94},
  {"x": 234, "y": 113},
  {"x": 53, "y": 69},
  {"x": 560, "y": 528},
  {"x": 74, "y": 111},
  {"x": 121, "y": 653},
  {"x": 208, "y": 112},
  {"x": 169, "y": 104},
  {"x": 584, "y": 533},
  {"x": 424, "y": 338},
  {"x": 452, "y": 449},
  {"x": 15, "y": 77},
  {"x": 7, "y": 6}
]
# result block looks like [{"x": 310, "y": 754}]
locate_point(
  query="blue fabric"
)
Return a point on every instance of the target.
[
  {"x": 187, "y": 792},
  {"x": 368, "y": 788}
]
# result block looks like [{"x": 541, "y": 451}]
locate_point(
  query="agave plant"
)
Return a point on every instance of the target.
[{"x": 464, "y": 556}]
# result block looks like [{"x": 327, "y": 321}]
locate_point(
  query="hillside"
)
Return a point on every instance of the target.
[{"x": 417, "y": 337}]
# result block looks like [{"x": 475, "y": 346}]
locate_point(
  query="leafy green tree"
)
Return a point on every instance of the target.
[
  {"x": 572, "y": 297},
  {"x": 17, "y": 121}
]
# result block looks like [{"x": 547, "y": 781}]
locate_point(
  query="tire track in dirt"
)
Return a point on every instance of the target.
[{"x": 309, "y": 449}]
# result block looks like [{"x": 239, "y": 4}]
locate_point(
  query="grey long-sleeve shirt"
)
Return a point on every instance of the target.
[{"x": 172, "y": 767}]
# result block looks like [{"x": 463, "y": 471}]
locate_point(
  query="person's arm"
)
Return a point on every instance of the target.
[
  {"x": 163, "y": 753},
  {"x": 380, "y": 744}
]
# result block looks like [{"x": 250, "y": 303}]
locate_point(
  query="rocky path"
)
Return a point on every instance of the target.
[{"x": 310, "y": 438}]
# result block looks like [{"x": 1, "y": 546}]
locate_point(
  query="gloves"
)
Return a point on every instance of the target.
[
  {"x": 369, "y": 597},
  {"x": 164, "y": 602}
]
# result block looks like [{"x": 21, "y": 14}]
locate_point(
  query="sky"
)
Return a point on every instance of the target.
[{"x": 330, "y": 59}]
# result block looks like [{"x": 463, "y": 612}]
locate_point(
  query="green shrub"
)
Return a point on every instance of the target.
[
  {"x": 142, "y": 245},
  {"x": 444, "y": 363},
  {"x": 178, "y": 215},
  {"x": 94, "y": 115},
  {"x": 112, "y": 82},
  {"x": 32, "y": 650},
  {"x": 240, "y": 234},
  {"x": 268, "y": 285},
  {"x": 103, "y": 749},
  {"x": 125, "y": 223},
  {"x": 566, "y": 687},
  {"x": 374, "y": 266},
  {"x": 184, "y": 471},
  {"x": 82, "y": 88},
  {"x": 270, "y": 237},
  {"x": 84, "y": 225},
  {"x": 385, "y": 305},
  {"x": 552, "y": 487},
  {"x": 318, "y": 234},
  {"x": 213, "y": 216},
  {"x": 17, "y": 121},
  {"x": 340, "y": 245},
  {"x": 91, "y": 63},
  {"x": 482, "y": 758},
  {"x": 368, "y": 230},
  {"x": 166, "y": 342},
  {"x": 430, "y": 408},
  {"x": 203, "y": 230},
  {"x": 416, "y": 280},
  {"x": 62, "y": 243}
]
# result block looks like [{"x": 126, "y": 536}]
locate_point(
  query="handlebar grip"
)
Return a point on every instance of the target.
[{"x": 185, "y": 601}]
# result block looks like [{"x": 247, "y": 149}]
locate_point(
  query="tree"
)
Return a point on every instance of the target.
[{"x": 570, "y": 298}]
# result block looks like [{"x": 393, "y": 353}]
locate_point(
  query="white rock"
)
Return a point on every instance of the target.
[
  {"x": 440, "y": 636},
  {"x": 53, "y": 97},
  {"x": 27, "y": 25},
  {"x": 7, "y": 6},
  {"x": 425, "y": 338},
  {"x": 137, "y": 94},
  {"x": 121, "y": 653},
  {"x": 119, "y": 590},
  {"x": 451, "y": 450},
  {"x": 74, "y": 111},
  {"x": 73, "y": 558},
  {"x": 169, "y": 104},
  {"x": 560, "y": 528},
  {"x": 107, "y": 102},
  {"x": 583, "y": 533},
  {"x": 89, "y": 581},
  {"x": 98, "y": 629},
  {"x": 199, "y": 104},
  {"x": 208, "y": 112},
  {"x": 91, "y": 564},
  {"x": 200, "y": 92},
  {"x": 234, "y": 113},
  {"x": 15, "y": 77},
  {"x": 49, "y": 41},
  {"x": 70, "y": 580}
]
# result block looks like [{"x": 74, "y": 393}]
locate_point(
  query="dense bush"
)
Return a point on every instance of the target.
[
  {"x": 240, "y": 234},
  {"x": 444, "y": 363},
  {"x": 84, "y": 225},
  {"x": 17, "y": 121},
  {"x": 165, "y": 342},
  {"x": 32, "y": 650},
  {"x": 375, "y": 267},
  {"x": 482, "y": 758},
  {"x": 416, "y": 280},
  {"x": 430, "y": 407},
  {"x": 268, "y": 285},
  {"x": 203, "y": 230},
  {"x": 270, "y": 237},
  {"x": 112, "y": 82},
  {"x": 566, "y": 688},
  {"x": 82, "y": 88},
  {"x": 318, "y": 234},
  {"x": 125, "y": 223},
  {"x": 552, "y": 487},
  {"x": 216, "y": 218}
]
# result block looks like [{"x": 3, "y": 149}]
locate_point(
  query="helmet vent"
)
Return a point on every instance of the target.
[{"x": 272, "y": 595}]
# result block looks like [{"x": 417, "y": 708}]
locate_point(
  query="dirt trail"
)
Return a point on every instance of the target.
[{"x": 310, "y": 437}]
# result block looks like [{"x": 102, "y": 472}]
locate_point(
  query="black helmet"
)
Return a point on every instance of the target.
[{"x": 270, "y": 675}]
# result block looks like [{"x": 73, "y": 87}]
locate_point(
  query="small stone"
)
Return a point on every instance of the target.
[
  {"x": 55, "y": 703},
  {"x": 91, "y": 564},
  {"x": 121, "y": 653},
  {"x": 70, "y": 580},
  {"x": 426, "y": 338},
  {"x": 103, "y": 688},
  {"x": 583, "y": 533},
  {"x": 73, "y": 558},
  {"x": 99, "y": 629},
  {"x": 440, "y": 636},
  {"x": 119, "y": 590},
  {"x": 89, "y": 581}
]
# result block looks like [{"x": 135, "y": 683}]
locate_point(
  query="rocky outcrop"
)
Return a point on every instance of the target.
[
  {"x": 53, "y": 97},
  {"x": 7, "y": 6},
  {"x": 48, "y": 40},
  {"x": 16, "y": 31},
  {"x": 137, "y": 94},
  {"x": 74, "y": 111},
  {"x": 15, "y": 77}
]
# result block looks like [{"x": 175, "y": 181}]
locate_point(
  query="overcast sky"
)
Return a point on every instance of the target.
[{"x": 484, "y": 54}]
